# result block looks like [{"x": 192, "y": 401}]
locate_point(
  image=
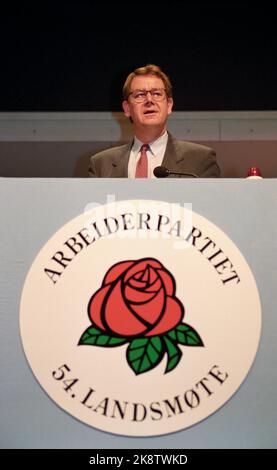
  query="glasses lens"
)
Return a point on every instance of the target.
[
  {"x": 139, "y": 95},
  {"x": 157, "y": 95}
]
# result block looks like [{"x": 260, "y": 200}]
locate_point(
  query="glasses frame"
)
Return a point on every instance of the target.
[{"x": 146, "y": 95}]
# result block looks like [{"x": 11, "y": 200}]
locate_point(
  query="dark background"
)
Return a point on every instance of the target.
[{"x": 75, "y": 55}]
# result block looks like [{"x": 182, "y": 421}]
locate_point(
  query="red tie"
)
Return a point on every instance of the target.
[{"x": 142, "y": 164}]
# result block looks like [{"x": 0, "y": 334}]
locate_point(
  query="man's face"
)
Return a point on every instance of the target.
[{"x": 149, "y": 112}]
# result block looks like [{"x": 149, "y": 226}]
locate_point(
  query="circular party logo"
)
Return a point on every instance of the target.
[{"x": 134, "y": 316}]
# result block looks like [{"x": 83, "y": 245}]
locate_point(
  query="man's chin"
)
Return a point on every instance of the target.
[{"x": 152, "y": 121}]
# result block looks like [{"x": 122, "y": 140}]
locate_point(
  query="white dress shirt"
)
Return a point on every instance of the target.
[{"x": 155, "y": 155}]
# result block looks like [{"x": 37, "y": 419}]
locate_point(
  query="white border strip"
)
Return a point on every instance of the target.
[{"x": 114, "y": 127}]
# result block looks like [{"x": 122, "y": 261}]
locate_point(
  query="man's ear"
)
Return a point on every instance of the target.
[
  {"x": 126, "y": 108},
  {"x": 169, "y": 105}
]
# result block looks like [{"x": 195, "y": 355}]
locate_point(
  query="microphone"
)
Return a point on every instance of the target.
[{"x": 163, "y": 172}]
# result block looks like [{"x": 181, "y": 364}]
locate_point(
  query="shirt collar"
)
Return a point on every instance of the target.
[{"x": 155, "y": 146}]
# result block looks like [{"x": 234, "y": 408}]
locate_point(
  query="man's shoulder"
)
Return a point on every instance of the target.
[{"x": 192, "y": 147}]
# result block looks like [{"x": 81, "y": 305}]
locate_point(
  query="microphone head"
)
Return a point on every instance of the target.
[{"x": 161, "y": 172}]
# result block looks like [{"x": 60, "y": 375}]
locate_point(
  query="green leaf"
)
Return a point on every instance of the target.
[
  {"x": 144, "y": 354},
  {"x": 186, "y": 335},
  {"x": 174, "y": 354},
  {"x": 94, "y": 337}
]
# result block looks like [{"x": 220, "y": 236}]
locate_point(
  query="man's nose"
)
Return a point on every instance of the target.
[{"x": 148, "y": 97}]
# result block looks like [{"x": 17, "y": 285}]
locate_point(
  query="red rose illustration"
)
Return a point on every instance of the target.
[
  {"x": 137, "y": 305},
  {"x": 137, "y": 298}
]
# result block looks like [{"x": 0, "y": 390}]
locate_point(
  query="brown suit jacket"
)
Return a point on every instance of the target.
[{"x": 180, "y": 156}]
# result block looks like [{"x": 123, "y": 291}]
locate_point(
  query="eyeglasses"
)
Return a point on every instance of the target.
[{"x": 157, "y": 94}]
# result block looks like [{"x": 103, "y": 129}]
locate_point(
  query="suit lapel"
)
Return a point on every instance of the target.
[
  {"x": 120, "y": 162},
  {"x": 172, "y": 156}
]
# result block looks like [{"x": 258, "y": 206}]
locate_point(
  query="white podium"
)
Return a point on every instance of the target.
[{"x": 32, "y": 210}]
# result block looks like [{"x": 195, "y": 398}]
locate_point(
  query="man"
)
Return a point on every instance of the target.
[{"x": 148, "y": 102}]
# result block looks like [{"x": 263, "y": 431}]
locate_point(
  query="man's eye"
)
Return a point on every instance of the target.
[{"x": 139, "y": 95}]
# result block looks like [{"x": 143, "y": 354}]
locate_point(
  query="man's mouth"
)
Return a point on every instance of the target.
[{"x": 149, "y": 111}]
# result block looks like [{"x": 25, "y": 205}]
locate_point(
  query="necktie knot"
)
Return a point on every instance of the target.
[{"x": 142, "y": 164}]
